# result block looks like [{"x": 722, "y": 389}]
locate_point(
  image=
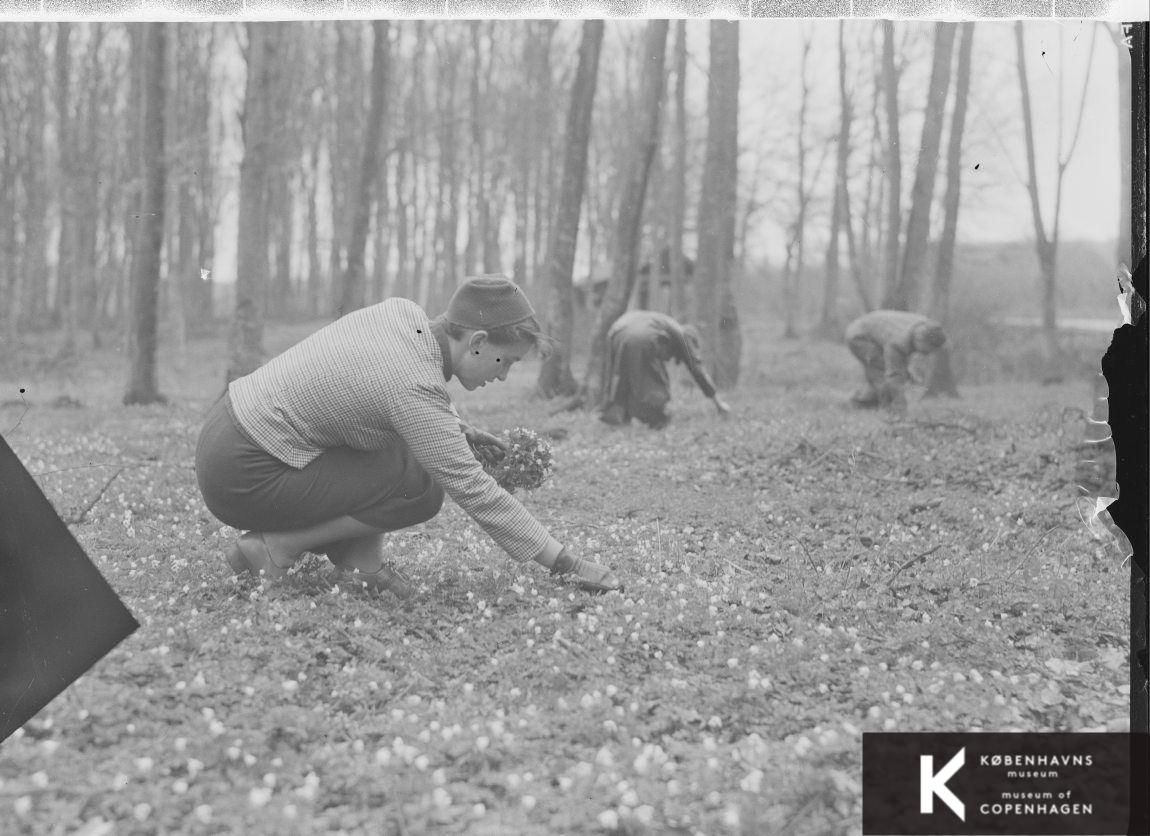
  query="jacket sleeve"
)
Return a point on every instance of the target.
[
  {"x": 682, "y": 349},
  {"x": 429, "y": 425}
]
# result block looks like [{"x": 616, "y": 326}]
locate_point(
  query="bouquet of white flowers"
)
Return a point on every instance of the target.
[{"x": 526, "y": 464}]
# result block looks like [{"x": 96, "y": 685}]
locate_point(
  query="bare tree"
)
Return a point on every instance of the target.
[
  {"x": 1046, "y": 243},
  {"x": 678, "y": 297},
  {"x": 793, "y": 259},
  {"x": 255, "y": 170},
  {"x": 1123, "y": 254},
  {"x": 67, "y": 277},
  {"x": 447, "y": 185},
  {"x": 630, "y": 218},
  {"x": 893, "y": 159},
  {"x": 149, "y": 239},
  {"x": 716, "y": 312},
  {"x": 480, "y": 217},
  {"x": 23, "y": 114},
  {"x": 555, "y": 377},
  {"x": 353, "y": 293},
  {"x": 902, "y": 294},
  {"x": 346, "y": 113},
  {"x": 829, "y": 324},
  {"x": 939, "y": 297}
]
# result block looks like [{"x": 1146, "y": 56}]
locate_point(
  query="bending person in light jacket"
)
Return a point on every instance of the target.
[{"x": 351, "y": 433}]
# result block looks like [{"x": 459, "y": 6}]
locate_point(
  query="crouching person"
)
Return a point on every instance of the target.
[
  {"x": 639, "y": 344},
  {"x": 351, "y": 433},
  {"x": 884, "y": 341}
]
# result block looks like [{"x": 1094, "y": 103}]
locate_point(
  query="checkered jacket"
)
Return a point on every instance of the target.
[{"x": 370, "y": 380}]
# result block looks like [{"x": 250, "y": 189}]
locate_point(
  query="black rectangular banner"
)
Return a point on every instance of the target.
[
  {"x": 58, "y": 616},
  {"x": 1001, "y": 783}
]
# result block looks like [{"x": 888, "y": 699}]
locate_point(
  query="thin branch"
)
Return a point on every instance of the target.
[
  {"x": 911, "y": 562},
  {"x": 77, "y": 520},
  {"x": 1062, "y": 163}
]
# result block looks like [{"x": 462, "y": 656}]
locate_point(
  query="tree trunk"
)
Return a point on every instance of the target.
[
  {"x": 492, "y": 207},
  {"x": 87, "y": 218},
  {"x": 830, "y": 326},
  {"x": 149, "y": 238},
  {"x": 348, "y": 104},
  {"x": 1123, "y": 252},
  {"x": 677, "y": 306},
  {"x": 939, "y": 300},
  {"x": 353, "y": 295},
  {"x": 314, "y": 266},
  {"x": 258, "y": 122},
  {"x": 1047, "y": 244},
  {"x": 281, "y": 230},
  {"x": 793, "y": 265},
  {"x": 477, "y": 217},
  {"x": 893, "y": 160},
  {"x": 67, "y": 293},
  {"x": 405, "y": 288},
  {"x": 555, "y": 377},
  {"x": 716, "y": 312},
  {"x": 198, "y": 295},
  {"x": 904, "y": 294},
  {"x": 630, "y": 220},
  {"x": 447, "y": 171},
  {"x": 35, "y": 262}
]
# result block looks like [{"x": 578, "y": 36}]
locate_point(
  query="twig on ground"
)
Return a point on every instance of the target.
[
  {"x": 823, "y": 455},
  {"x": 1030, "y": 551},
  {"x": 572, "y": 648},
  {"x": 911, "y": 562},
  {"x": 795, "y": 452},
  {"x": 803, "y": 546},
  {"x": 875, "y": 456},
  {"x": 932, "y": 425},
  {"x": 24, "y": 412},
  {"x": 83, "y": 514}
]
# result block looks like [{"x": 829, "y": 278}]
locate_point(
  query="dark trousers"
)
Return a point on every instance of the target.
[
  {"x": 246, "y": 487},
  {"x": 641, "y": 387}
]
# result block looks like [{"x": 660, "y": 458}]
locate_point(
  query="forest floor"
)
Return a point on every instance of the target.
[{"x": 795, "y": 576}]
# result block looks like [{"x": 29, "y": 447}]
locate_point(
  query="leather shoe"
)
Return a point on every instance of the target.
[
  {"x": 256, "y": 556},
  {"x": 383, "y": 579}
]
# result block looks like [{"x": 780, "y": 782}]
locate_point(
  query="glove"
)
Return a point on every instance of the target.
[{"x": 590, "y": 576}]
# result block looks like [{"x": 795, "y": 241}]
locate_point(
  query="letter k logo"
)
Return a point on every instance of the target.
[{"x": 932, "y": 784}]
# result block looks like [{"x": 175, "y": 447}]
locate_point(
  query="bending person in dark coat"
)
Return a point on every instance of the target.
[{"x": 639, "y": 345}]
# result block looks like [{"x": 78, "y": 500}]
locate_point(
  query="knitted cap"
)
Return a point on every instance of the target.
[{"x": 487, "y": 302}]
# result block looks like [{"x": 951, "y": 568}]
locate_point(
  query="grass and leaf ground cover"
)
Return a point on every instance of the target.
[{"x": 795, "y": 576}]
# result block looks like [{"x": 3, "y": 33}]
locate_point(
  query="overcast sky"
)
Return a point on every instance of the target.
[{"x": 998, "y": 208}]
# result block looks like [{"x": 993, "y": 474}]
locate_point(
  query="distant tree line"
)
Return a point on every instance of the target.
[{"x": 380, "y": 158}]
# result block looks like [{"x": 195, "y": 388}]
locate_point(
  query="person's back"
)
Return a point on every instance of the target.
[
  {"x": 883, "y": 342},
  {"x": 638, "y": 323},
  {"x": 639, "y": 343},
  {"x": 890, "y": 327}
]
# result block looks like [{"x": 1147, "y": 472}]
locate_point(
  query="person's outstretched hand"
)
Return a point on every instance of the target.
[
  {"x": 722, "y": 407},
  {"x": 493, "y": 447},
  {"x": 590, "y": 576}
]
